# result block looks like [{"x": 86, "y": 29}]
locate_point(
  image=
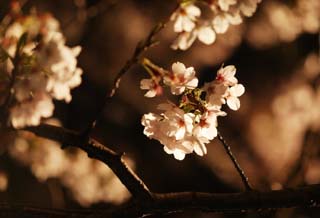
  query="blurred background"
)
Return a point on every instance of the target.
[{"x": 275, "y": 134}]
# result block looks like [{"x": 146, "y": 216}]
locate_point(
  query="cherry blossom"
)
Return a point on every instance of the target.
[
  {"x": 48, "y": 68},
  {"x": 190, "y": 25},
  {"x": 153, "y": 88},
  {"x": 232, "y": 97},
  {"x": 185, "y": 17},
  {"x": 226, "y": 75},
  {"x": 190, "y": 126},
  {"x": 181, "y": 78},
  {"x": 204, "y": 33}
]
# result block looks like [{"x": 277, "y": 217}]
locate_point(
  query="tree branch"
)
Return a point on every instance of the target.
[
  {"x": 308, "y": 196},
  {"x": 97, "y": 151}
]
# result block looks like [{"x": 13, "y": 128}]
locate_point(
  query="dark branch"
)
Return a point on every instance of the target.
[
  {"x": 97, "y": 151},
  {"x": 308, "y": 196}
]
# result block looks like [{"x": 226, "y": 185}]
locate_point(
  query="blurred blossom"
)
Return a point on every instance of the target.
[
  {"x": 279, "y": 22},
  {"x": 312, "y": 175},
  {"x": 3, "y": 181},
  {"x": 47, "y": 67},
  {"x": 90, "y": 181},
  {"x": 311, "y": 67},
  {"x": 280, "y": 132},
  {"x": 189, "y": 25}
]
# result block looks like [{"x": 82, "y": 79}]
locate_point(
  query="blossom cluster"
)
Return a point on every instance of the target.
[
  {"x": 193, "y": 124},
  {"x": 223, "y": 13},
  {"x": 43, "y": 67}
]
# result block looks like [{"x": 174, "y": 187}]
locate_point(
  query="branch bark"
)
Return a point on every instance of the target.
[{"x": 308, "y": 196}]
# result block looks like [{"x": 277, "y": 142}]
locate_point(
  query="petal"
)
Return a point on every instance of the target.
[
  {"x": 187, "y": 24},
  {"x": 235, "y": 18},
  {"x": 220, "y": 24},
  {"x": 151, "y": 93},
  {"x": 229, "y": 71},
  {"x": 146, "y": 83},
  {"x": 237, "y": 90},
  {"x": 184, "y": 40},
  {"x": 167, "y": 150},
  {"x": 178, "y": 68},
  {"x": 193, "y": 10},
  {"x": 206, "y": 35},
  {"x": 233, "y": 103},
  {"x": 179, "y": 155},
  {"x": 200, "y": 149},
  {"x": 178, "y": 24},
  {"x": 180, "y": 133},
  {"x": 192, "y": 84}
]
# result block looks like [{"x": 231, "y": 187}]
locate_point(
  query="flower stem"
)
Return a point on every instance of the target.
[{"x": 243, "y": 176}]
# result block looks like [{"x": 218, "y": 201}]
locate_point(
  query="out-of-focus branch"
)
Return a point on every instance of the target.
[
  {"x": 97, "y": 151},
  {"x": 243, "y": 176},
  {"x": 308, "y": 196}
]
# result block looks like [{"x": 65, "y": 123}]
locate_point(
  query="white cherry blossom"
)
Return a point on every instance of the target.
[
  {"x": 232, "y": 97},
  {"x": 52, "y": 73},
  {"x": 185, "y": 17},
  {"x": 181, "y": 78},
  {"x": 225, "y": 4},
  {"x": 190, "y": 126},
  {"x": 226, "y": 75},
  {"x": 204, "y": 33},
  {"x": 248, "y": 7}
]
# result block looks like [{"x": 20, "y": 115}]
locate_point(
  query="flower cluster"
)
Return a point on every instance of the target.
[
  {"x": 42, "y": 65},
  {"x": 223, "y": 13},
  {"x": 191, "y": 125}
]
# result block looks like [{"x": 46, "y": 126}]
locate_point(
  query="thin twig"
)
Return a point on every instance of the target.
[
  {"x": 141, "y": 47},
  {"x": 244, "y": 178}
]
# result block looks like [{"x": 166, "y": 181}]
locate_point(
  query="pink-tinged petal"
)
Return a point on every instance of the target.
[
  {"x": 233, "y": 103},
  {"x": 206, "y": 35},
  {"x": 237, "y": 90}
]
